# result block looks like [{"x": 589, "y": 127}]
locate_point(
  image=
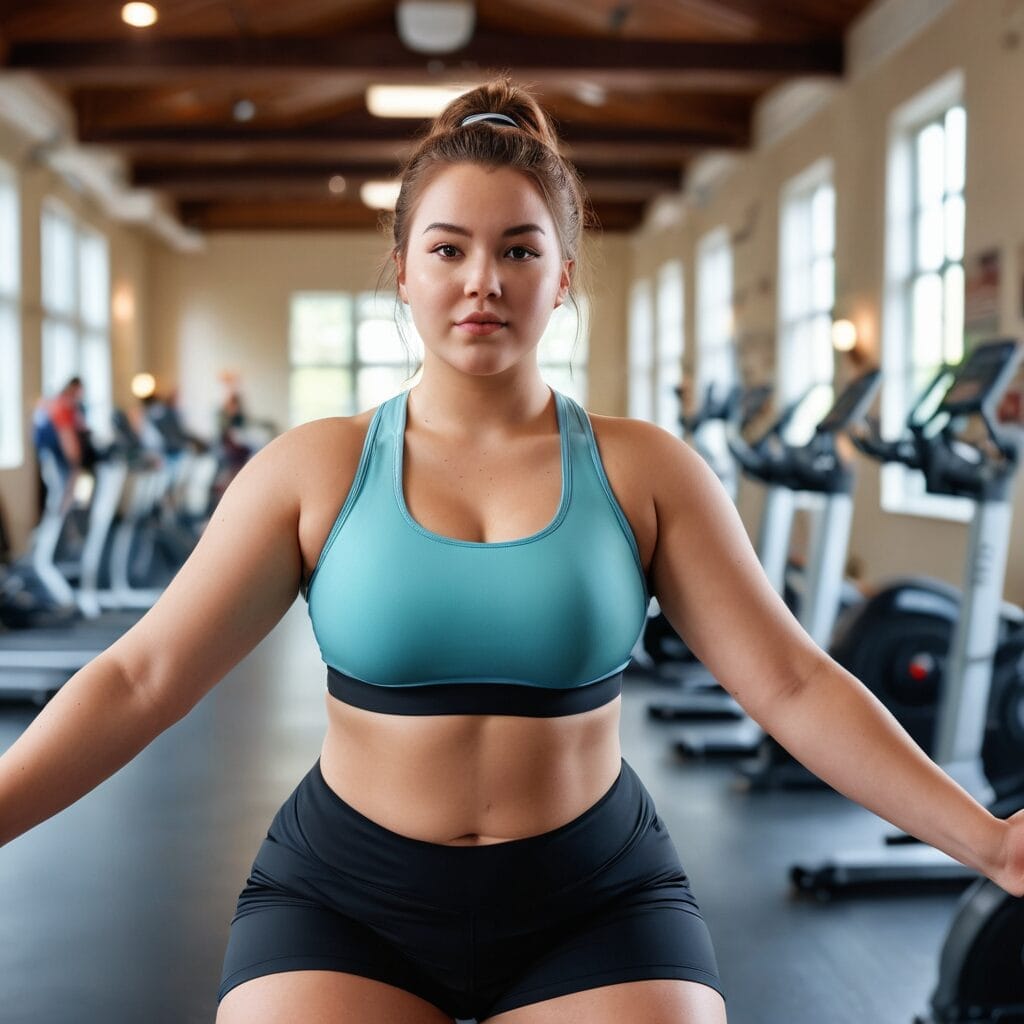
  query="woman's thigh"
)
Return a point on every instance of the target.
[
  {"x": 661, "y": 1001},
  {"x": 324, "y": 997}
]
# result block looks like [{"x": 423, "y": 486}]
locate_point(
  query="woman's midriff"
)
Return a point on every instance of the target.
[{"x": 466, "y": 780}]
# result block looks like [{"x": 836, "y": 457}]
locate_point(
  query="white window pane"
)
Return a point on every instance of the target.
[
  {"x": 560, "y": 342},
  {"x": 953, "y": 288},
  {"x": 316, "y": 392},
  {"x": 97, "y": 385},
  {"x": 10, "y": 242},
  {"x": 376, "y": 384},
  {"x": 94, "y": 280},
  {"x": 927, "y": 320},
  {"x": 669, "y": 378},
  {"x": 796, "y": 230},
  {"x": 930, "y": 238},
  {"x": 60, "y": 355},
  {"x": 558, "y": 377},
  {"x": 930, "y": 156},
  {"x": 320, "y": 330},
  {"x": 823, "y": 218},
  {"x": 377, "y": 305},
  {"x": 641, "y": 350},
  {"x": 670, "y": 292},
  {"x": 378, "y": 341},
  {"x": 58, "y": 263},
  {"x": 824, "y": 284},
  {"x": 956, "y": 148},
  {"x": 822, "y": 357},
  {"x": 954, "y": 227}
]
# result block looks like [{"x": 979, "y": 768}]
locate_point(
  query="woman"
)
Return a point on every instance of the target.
[{"x": 470, "y": 841}]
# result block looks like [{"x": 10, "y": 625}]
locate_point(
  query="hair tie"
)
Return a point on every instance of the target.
[{"x": 493, "y": 118}]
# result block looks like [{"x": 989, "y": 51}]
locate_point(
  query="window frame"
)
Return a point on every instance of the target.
[
  {"x": 796, "y": 193},
  {"x": 902, "y": 491},
  {"x": 86, "y": 337}
]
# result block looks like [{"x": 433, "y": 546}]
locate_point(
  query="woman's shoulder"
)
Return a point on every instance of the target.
[{"x": 639, "y": 444}]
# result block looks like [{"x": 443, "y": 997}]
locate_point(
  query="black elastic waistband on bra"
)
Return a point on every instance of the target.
[{"x": 473, "y": 698}]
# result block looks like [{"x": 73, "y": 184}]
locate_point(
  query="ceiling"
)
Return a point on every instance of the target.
[{"x": 638, "y": 88}]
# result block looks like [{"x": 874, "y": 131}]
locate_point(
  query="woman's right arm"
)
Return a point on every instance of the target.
[{"x": 239, "y": 581}]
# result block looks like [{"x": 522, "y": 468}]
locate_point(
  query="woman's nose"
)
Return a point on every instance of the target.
[{"x": 483, "y": 278}]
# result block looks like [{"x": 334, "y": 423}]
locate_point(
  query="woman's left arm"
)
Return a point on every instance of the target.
[{"x": 711, "y": 587}]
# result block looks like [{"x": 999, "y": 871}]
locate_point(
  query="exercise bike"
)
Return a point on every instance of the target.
[{"x": 979, "y": 737}]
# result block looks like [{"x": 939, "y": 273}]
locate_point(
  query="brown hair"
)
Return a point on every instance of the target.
[{"x": 531, "y": 148}]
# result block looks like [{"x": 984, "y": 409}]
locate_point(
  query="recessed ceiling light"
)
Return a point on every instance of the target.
[
  {"x": 337, "y": 184},
  {"x": 380, "y": 195},
  {"x": 411, "y": 100},
  {"x": 139, "y": 15}
]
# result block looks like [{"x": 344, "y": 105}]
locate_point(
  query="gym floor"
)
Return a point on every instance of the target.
[{"x": 117, "y": 910}]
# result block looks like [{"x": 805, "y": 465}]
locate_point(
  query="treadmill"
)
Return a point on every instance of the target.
[
  {"x": 36, "y": 661},
  {"x": 984, "y": 473}
]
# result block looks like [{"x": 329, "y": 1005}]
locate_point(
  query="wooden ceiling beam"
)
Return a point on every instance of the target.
[
  {"x": 396, "y": 133},
  {"x": 149, "y": 175},
  {"x": 229, "y": 181},
  {"x": 380, "y": 55},
  {"x": 298, "y": 215}
]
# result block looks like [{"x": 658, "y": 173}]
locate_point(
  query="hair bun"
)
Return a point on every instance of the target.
[{"x": 499, "y": 96}]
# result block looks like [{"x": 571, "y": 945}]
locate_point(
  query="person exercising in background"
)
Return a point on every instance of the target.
[
  {"x": 477, "y": 554},
  {"x": 59, "y": 427}
]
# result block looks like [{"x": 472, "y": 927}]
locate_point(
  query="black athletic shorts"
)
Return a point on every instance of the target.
[{"x": 475, "y": 930}]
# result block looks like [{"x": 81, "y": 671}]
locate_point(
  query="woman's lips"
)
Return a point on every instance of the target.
[{"x": 475, "y": 328}]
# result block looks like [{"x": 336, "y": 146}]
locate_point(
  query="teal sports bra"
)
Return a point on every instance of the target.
[{"x": 411, "y": 622}]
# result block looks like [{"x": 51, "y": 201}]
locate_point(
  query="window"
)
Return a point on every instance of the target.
[
  {"x": 641, "y": 350},
  {"x": 76, "y": 313},
  {"x": 11, "y": 442},
  {"x": 806, "y": 296},
  {"x": 716, "y": 357},
  {"x": 346, "y": 353},
  {"x": 567, "y": 337},
  {"x": 669, "y": 370},
  {"x": 924, "y": 310}
]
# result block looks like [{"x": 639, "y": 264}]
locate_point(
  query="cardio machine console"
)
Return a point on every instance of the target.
[
  {"x": 981, "y": 380},
  {"x": 852, "y": 404}
]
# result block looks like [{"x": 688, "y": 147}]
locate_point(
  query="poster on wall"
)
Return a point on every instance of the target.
[{"x": 981, "y": 296}]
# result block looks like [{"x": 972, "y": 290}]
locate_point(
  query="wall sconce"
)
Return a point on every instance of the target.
[
  {"x": 844, "y": 335},
  {"x": 143, "y": 385}
]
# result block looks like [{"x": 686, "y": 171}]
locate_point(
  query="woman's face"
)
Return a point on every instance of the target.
[{"x": 483, "y": 270}]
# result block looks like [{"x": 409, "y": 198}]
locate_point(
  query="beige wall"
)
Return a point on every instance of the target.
[{"x": 852, "y": 129}]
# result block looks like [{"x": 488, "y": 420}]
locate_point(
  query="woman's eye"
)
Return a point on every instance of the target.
[
  {"x": 447, "y": 250},
  {"x": 520, "y": 252}
]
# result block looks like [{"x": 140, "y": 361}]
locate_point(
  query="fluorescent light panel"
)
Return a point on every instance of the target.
[
  {"x": 380, "y": 195},
  {"x": 411, "y": 100}
]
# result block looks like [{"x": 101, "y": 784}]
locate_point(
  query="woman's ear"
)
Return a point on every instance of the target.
[
  {"x": 565, "y": 282},
  {"x": 400, "y": 275}
]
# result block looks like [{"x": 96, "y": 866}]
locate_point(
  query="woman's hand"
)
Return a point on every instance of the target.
[{"x": 1009, "y": 874}]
